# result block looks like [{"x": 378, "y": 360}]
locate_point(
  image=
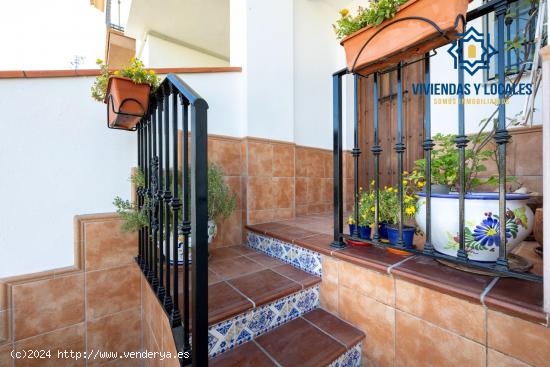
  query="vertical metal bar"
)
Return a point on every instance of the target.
[
  {"x": 461, "y": 143},
  {"x": 139, "y": 195},
  {"x": 338, "y": 211},
  {"x": 161, "y": 292},
  {"x": 428, "y": 146},
  {"x": 155, "y": 200},
  {"x": 400, "y": 149},
  {"x": 186, "y": 224},
  {"x": 146, "y": 194},
  {"x": 167, "y": 196},
  {"x": 150, "y": 194},
  {"x": 356, "y": 152},
  {"x": 501, "y": 138},
  {"x": 376, "y": 150},
  {"x": 199, "y": 231},
  {"x": 175, "y": 316}
]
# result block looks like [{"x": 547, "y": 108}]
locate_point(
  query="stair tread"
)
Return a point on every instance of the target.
[
  {"x": 314, "y": 339},
  {"x": 241, "y": 278}
]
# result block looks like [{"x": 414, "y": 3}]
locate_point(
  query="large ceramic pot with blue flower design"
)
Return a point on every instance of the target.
[{"x": 481, "y": 232}]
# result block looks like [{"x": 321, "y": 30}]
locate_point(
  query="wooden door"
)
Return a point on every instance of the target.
[{"x": 413, "y": 123}]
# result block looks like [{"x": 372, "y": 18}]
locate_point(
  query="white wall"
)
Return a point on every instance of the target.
[
  {"x": 266, "y": 46},
  {"x": 317, "y": 54},
  {"x": 160, "y": 53},
  {"x": 58, "y": 159}
]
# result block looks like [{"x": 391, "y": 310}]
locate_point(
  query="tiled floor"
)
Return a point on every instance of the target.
[
  {"x": 315, "y": 339},
  {"x": 240, "y": 278},
  {"x": 315, "y": 233}
]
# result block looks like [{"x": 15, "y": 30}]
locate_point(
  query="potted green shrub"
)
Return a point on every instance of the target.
[
  {"x": 221, "y": 204},
  {"x": 125, "y": 91},
  {"x": 389, "y": 31},
  {"x": 482, "y": 237}
]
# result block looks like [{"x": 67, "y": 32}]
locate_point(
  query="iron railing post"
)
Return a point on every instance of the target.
[
  {"x": 166, "y": 197},
  {"x": 501, "y": 138},
  {"x": 461, "y": 143},
  {"x": 154, "y": 202},
  {"x": 376, "y": 150},
  {"x": 338, "y": 211},
  {"x": 199, "y": 232},
  {"x": 356, "y": 152},
  {"x": 400, "y": 150},
  {"x": 428, "y": 146},
  {"x": 186, "y": 223},
  {"x": 161, "y": 292}
]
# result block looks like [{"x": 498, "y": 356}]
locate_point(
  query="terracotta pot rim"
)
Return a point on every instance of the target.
[
  {"x": 364, "y": 29},
  {"x": 121, "y": 78}
]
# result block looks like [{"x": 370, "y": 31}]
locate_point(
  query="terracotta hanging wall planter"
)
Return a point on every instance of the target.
[
  {"x": 127, "y": 102},
  {"x": 418, "y": 27}
]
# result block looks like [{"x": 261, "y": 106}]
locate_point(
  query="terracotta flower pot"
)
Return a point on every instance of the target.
[
  {"x": 127, "y": 102},
  {"x": 399, "y": 39}
]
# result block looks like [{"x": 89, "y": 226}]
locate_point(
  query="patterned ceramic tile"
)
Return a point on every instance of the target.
[
  {"x": 244, "y": 327},
  {"x": 299, "y": 257},
  {"x": 352, "y": 358}
]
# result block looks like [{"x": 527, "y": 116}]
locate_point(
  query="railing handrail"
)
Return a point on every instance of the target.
[{"x": 184, "y": 89}]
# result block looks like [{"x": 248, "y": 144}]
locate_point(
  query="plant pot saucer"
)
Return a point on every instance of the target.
[
  {"x": 399, "y": 252},
  {"x": 515, "y": 263},
  {"x": 351, "y": 242}
]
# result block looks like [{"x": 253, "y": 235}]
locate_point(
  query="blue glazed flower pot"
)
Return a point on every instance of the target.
[
  {"x": 351, "y": 229},
  {"x": 383, "y": 230},
  {"x": 364, "y": 232},
  {"x": 408, "y": 235}
]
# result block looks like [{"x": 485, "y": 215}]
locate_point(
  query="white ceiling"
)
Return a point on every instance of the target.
[{"x": 200, "y": 23}]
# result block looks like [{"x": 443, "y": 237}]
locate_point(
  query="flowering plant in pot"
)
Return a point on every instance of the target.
[
  {"x": 125, "y": 91},
  {"x": 390, "y": 31},
  {"x": 390, "y": 207},
  {"x": 366, "y": 215}
]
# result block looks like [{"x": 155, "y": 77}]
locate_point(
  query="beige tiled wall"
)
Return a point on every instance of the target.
[
  {"x": 410, "y": 325},
  {"x": 95, "y": 305}
]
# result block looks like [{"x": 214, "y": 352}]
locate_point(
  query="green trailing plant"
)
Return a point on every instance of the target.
[
  {"x": 134, "y": 71},
  {"x": 373, "y": 15},
  {"x": 221, "y": 201}
]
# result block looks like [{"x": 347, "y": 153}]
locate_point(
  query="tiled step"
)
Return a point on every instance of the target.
[
  {"x": 317, "y": 338},
  {"x": 250, "y": 293}
]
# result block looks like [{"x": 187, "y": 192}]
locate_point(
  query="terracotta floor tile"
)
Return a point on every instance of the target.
[
  {"x": 497, "y": 359},
  {"x": 212, "y": 278},
  {"x": 320, "y": 243},
  {"x": 298, "y": 343},
  {"x": 421, "y": 344},
  {"x": 263, "y": 227},
  {"x": 223, "y": 253},
  {"x": 332, "y": 325},
  {"x": 243, "y": 250},
  {"x": 370, "y": 257},
  {"x": 112, "y": 290},
  {"x": 67, "y": 339},
  {"x": 375, "y": 319},
  {"x": 297, "y": 275},
  {"x": 264, "y": 260},
  {"x": 235, "y": 267},
  {"x": 518, "y": 297},
  {"x": 522, "y": 339},
  {"x": 430, "y": 273},
  {"x": 290, "y": 234},
  {"x": 247, "y": 355},
  {"x": 5, "y": 356},
  {"x": 265, "y": 286},
  {"x": 120, "y": 332},
  {"x": 224, "y": 302},
  {"x": 47, "y": 305},
  {"x": 449, "y": 312}
]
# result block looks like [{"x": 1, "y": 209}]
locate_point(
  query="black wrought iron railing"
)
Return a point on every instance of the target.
[
  {"x": 174, "y": 199},
  {"x": 498, "y": 9}
]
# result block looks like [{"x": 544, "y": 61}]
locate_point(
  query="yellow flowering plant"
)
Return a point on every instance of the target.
[
  {"x": 134, "y": 71},
  {"x": 389, "y": 199}
]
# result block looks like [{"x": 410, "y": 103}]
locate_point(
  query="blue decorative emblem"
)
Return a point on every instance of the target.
[{"x": 476, "y": 51}]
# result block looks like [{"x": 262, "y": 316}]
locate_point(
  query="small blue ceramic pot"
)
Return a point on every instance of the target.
[
  {"x": 351, "y": 229},
  {"x": 408, "y": 235},
  {"x": 383, "y": 230},
  {"x": 364, "y": 232}
]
